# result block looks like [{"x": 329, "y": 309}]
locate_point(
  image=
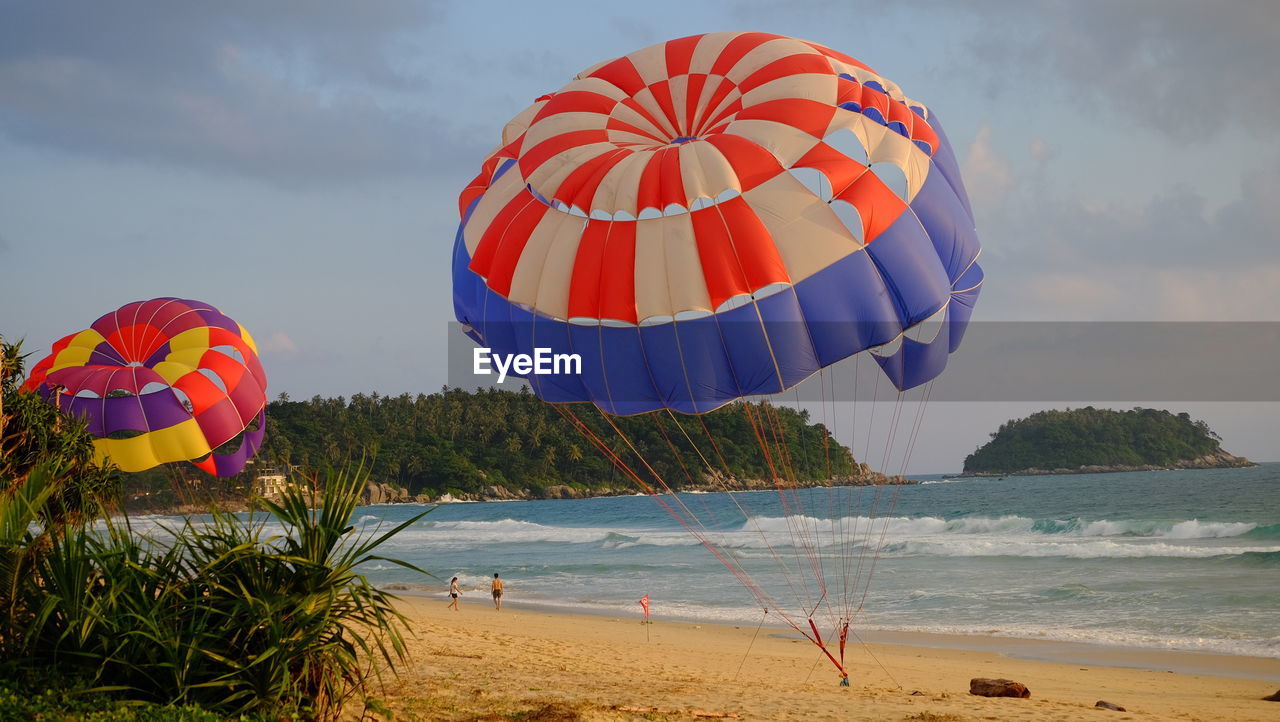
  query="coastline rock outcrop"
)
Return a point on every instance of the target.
[
  {"x": 1217, "y": 460},
  {"x": 384, "y": 493},
  {"x": 379, "y": 493}
]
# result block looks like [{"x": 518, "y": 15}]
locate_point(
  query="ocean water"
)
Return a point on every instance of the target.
[{"x": 1169, "y": 559}]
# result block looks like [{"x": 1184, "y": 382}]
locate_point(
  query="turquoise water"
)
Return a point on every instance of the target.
[{"x": 1169, "y": 559}]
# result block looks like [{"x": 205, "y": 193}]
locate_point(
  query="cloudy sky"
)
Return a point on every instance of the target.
[{"x": 297, "y": 163}]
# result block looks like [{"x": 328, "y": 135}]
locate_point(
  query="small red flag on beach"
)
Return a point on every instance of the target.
[{"x": 645, "y": 603}]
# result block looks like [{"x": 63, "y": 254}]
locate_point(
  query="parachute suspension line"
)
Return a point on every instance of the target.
[
  {"x": 806, "y": 528},
  {"x": 789, "y": 516},
  {"x": 603, "y": 447},
  {"x": 871, "y": 421},
  {"x": 843, "y": 498},
  {"x": 828, "y": 427},
  {"x": 714, "y": 475},
  {"x": 688, "y": 520},
  {"x": 853, "y": 414},
  {"x": 861, "y": 538},
  {"x": 835, "y": 521},
  {"x": 810, "y": 532},
  {"x": 897, "y": 491},
  {"x": 870, "y": 652},
  {"x": 752, "y": 643},
  {"x": 915, "y": 431},
  {"x": 819, "y": 529},
  {"x": 858, "y": 535},
  {"x": 749, "y": 518},
  {"x": 807, "y": 532},
  {"x": 733, "y": 496},
  {"x": 867, "y": 544},
  {"x": 787, "y": 505},
  {"x": 894, "y": 422},
  {"x": 813, "y": 667},
  {"x": 657, "y": 420},
  {"x": 743, "y": 576}
]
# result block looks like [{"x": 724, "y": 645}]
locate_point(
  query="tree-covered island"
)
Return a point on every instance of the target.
[
  {"x": 1093, "y": 441},
  {"x": 500, "y": 445}
]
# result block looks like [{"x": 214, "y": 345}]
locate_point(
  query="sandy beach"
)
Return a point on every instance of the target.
[{"x": 530, "y": 664}]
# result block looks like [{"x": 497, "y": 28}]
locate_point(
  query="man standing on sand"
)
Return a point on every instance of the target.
[{"x": 497, "y": 592}]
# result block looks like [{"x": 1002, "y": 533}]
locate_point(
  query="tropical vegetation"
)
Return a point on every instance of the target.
[
  {"x": 459, "y": 441},
  {"x": 265, "y": 616}
]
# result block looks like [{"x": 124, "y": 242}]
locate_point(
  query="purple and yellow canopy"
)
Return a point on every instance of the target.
[{"x": 161, "y": 381}]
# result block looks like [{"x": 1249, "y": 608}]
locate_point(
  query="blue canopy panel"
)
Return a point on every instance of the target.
[
  {"x": 921, "y": 268},
  {"x": 945, "y": 161}
]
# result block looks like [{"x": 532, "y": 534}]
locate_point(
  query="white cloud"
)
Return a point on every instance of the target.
[
  {"x": 312, "y": 96},
  {"x": 988, "y": 176},
  {"x": 280, "y": 342},
  {"x": 1040, "y": 149},
  {"x": 1154, "y": 61},
  {"x": 1199, "y": 295}
]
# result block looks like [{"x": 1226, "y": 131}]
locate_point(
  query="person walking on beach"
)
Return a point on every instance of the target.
[
  {"x": 454, "y": 593},
  {"x": 497, "y": 592}
]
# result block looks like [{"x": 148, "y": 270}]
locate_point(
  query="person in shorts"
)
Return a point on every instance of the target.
[
  {"x": 497, "y": 592},
  {"x": 454, "y": 593}
]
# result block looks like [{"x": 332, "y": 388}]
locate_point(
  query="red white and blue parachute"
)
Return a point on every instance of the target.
[
  {"x": 715, "y": 217},
  {"x": 720, "y": 217}
]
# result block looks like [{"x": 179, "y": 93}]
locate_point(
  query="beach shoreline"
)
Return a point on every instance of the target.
[
  {"x": 1034, "y": 649},
  {"x": 527, "y": 660}
]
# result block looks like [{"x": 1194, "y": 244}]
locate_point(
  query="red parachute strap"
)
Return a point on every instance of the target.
[
  {"x": 844, "y": 637},
  {"x": 817, "y": 639}
]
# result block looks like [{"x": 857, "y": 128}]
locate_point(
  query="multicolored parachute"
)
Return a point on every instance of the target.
[
  {"x": 715, "y": 217},
  {"x": 719, "y": 217},
  {"x": 160, "y": 381}
]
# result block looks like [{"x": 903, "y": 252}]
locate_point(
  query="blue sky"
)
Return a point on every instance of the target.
[{"x": 297, "y": 163}]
